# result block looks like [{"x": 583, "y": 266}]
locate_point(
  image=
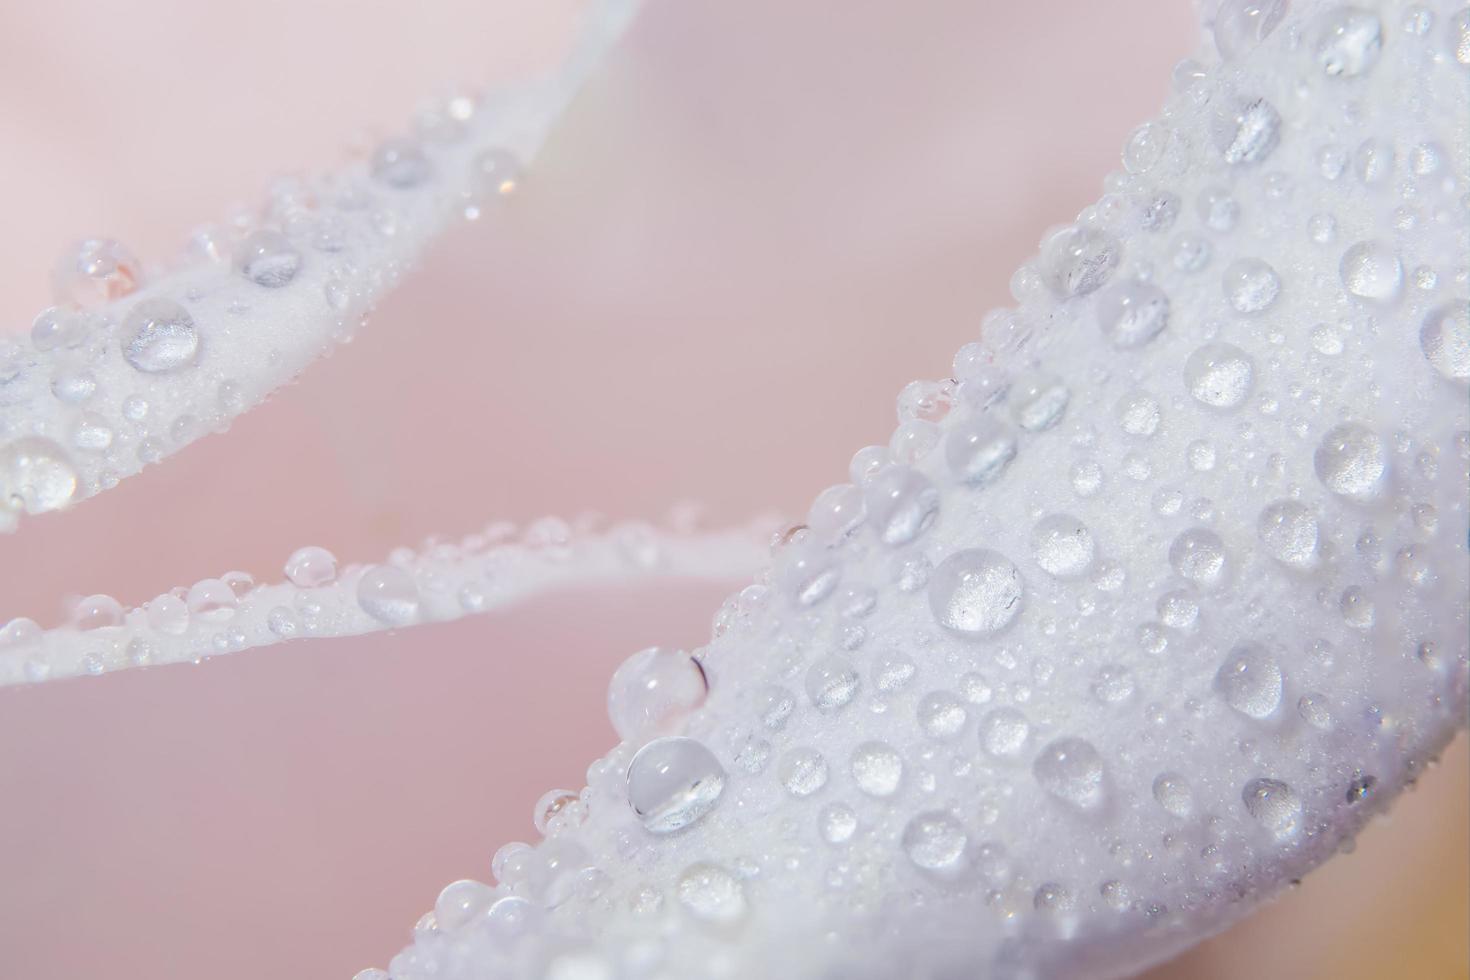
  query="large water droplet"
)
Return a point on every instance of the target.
[
  {"x": 1219, "y": 376},
  {"x": 1351, "y": 460},
  {"x": 159, "y": 337},
  {"x": 901, "y": 504},
  {"x": 1445, "y": 339},
  {"x": 935, "y": 842},
  {"x": 1372, "y": 272},
  {"x": 36, "y": 476},
  {"x": 673, "y": 782},
  {"x": 1064, "y": 547},
  {"x": 1071, "y": 770},
  {"x": 1081, "y": 260},
  {"x": 1250, "y": 682},
  {"x": 1288, "y": 530},
  {"x": 653, "y": 688},
  {"x": 976, "y": 593},
  {"x": 388, "y": 594},
  {"x": 1274, "y": 804}
]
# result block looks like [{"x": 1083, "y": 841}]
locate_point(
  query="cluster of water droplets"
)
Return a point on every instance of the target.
[
  {"x": 1136, "y": 618},
  {"x": 135, "y": 362}
]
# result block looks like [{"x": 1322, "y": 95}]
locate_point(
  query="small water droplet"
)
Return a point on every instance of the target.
[
  {"x": 267, "y": 258},
  {"x": 1250, "y": 682},
  {"x": 1071, "y": 770},
  {"x": 673, "y": 782},
  {"x": 159, "y": 337},
  {"x": 1351, "y": 461},
  {"x": 388, "y": 594}
]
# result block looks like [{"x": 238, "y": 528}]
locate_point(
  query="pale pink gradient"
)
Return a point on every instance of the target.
[{"x": 757, "y": 225}]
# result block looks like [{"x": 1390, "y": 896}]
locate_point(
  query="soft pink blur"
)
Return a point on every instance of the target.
[{"x": 759, "y": 223}]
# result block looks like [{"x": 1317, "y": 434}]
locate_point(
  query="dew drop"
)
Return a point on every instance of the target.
[
  {"x": 673, "y": 782},
  {"x": 1372, "y": 272},
  {"x": 36, "y": 476},
  {"x": 1274, "y": 804},
  {"x": 461, "y": 903},
  {"x": 1138, "y": 414},
  {"x": 212, "y": 601},
  {"x": 1240, "y": 25},
  {"x": 159, "y": 337},
  {"x": 400, "y": 163},
  {"x": 1348, "y": 42},
  {"x": 1219, "y": 376},
  {"x": 1063, "y": 546},
  {"x": 1037, "y": 401},
  {"x": 1003, "y": 733},
  {"x": 1071, "y": 770},
  {"x": 711, "y": 894},
  {"x": 388, "y": 594},
  {"x": 1198, "y": 555},
  {"x": 831, "y": 683},
  {"x": 837, "y": 822},
  {"x": 1351, "y": 461},
  {"x": 935, "y": 842},
  {"x": 1250, "y": 682},
  {"x": 1171, "y": 791},
  {"x": 311, "y": 567},
  {"x": 653, "y": 688},
  {"x": 94, "y": 272},
  {"x": 901, "y": 504},
  {"x": 1247, "y": 132},
  {"x": 976, "y": 593},
  {"x": 979, "y": 449},
  {"x": 1081, "y": 260},
  {"x": 1288, "y": 530},
  {"x": 1445, "y": 339},
  {"x": 1132, "y": 313},
  {"x": 267, "y": 258},
  {"x": 941, "y": 715},
  {"x": 1251, "y": 286},
  {"x": 877, "y": 769},
  {"x": 803, "y": 772}
]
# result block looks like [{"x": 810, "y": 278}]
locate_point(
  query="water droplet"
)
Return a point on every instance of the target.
[
  {"x": 388, "y": 594},
  {"x": 1359, "y": 788},
  {"x": 1247, "y": 131},
  {"x": 1250, "y": 682},
  {"x": 941, "y": 715},
  {"x": 267, "y": 258},
  {"x": 935, "y": 842},
  {"x": 1240, "y": 25},
  {"x": 95, "y": 612},
  {"x": 400, "y": 163},
  {"x": 1372, "y": 272},
  {"x": 311, "y": 567},
  {"x": 877, "y": 769},
  {"x": 1081, "y": 260},
  {"x": 1064, "y": 547},
  {"x": 1274, "y": 804},
  {"x": 1138, "y": 414},
  {"x": 976, "y": 593},
  {"x": 1445, "y": 339},
  {"x": 653, "y": 688},
  {"x": 1348, "y": 42},
  {"x": 1351, "y": 461},
  {"x": 1114, "y": 683},
  {"x": 711, "y": 894},
  {"x": 496, "y": 171},
  {"x": 94, "y": 272},
  {"x": 1288, "y": 530},
  {"x": 1132, "y": 313},
  {"x": 673, "y": 782},
  {"x": 1037, "y": 401},
  {"x": 831, "y": 684},
  {"x": 1251, "y": 286},
  {"x": 1003, "y": 732},
  {"x": 803, "y": 771},
  {"x": 461, "y": 903},
  {"x": 159, "y": 337},
  {"x": 979, "y": 449},
  {"x": 838, "y": 822},
  {"x": 1071, "y": 770},
  {"x": 1171, "y": 790},
  {"x": 36, "y": 476},
  {"x": 1198, "y": 555},
  {"x": 901, "y": 504},
  {"x": 212, "y": 601},
  {"x": 892, "y": 670},
  {"x": 837, "y": 513},
  {"x": 1219, "y": 376},
  {"x": 1315, "y": 711}
]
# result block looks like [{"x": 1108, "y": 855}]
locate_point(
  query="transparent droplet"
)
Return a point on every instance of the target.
[
  {"x": 1246, "y": 131},
  {"x": 1081, "y": 260},
  {"x": 1445, "y": 339},
  {"x": 159, "y": 337},
  {"x": 1219, "y": 376},
  {"x": 1351, "y": 461},
  {"x": 1274, "y": 804},
  {"x": 1288, "y": 530},
  {"x": 901, "y": 504},
  {"x": 94, "y": 272},
  {"x": 1251, "y": 286},
  {"x": 496, "y": 171},
  {"x": 1348, "y": 42},
  {"x": 267, "y": 258},
  {"x": 979, "y": 449},
  {"x": 1372, "y": 272},
  {"x": 1132, "y": 313},
  {"x": 1037, "y": 401},
  {"x": 1250, "y": 682},
  {"x": 461, "y": 903},
  {"x": 837, "y": 512},
  {"x": 388, "y": 594},
  {"x": 837, "y": 823},
  {"x": 212, "y": 601},
  {"x": 803, "y": 771},
  {"x": 400, "y": 163},
  {"x": 892, "y": 670},
  {"x": 1063, "y": 546},
  {"x": 941, "y": 715},
  {"x": 36, "y": 476},
  {"x": 976, "y": 593},
  {"x": 1240, "y": 25},
  {"x": 831, "y": 683},
  {"x": 168, "y": 614},
  {"x": 1071, "y": 770},
  {"x": 1171, "y": 791},
  {"x": 1003, "y": 732},
  {"x": 55, "y": 328},
  {"x": 711, "y": 894},
  {"x": 1113, "y": 684},
  {"x": 877, "y": 769},
  {"x": 935, "y": 842},
  {"x": 96, "y": 612},
  {"x": 1138, "y": 414},
  {"x": 311, "y": 567},
  {"x": 1198, "y": 555},
  {"x": 652, "y": 689},
  {"x": 673, "y": 782}
]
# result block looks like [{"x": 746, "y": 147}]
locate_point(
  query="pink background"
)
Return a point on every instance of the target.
[{"x": 762, "y": 220}]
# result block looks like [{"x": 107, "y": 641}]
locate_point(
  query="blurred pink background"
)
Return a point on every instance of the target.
[{"x": 755, "y": 227}]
